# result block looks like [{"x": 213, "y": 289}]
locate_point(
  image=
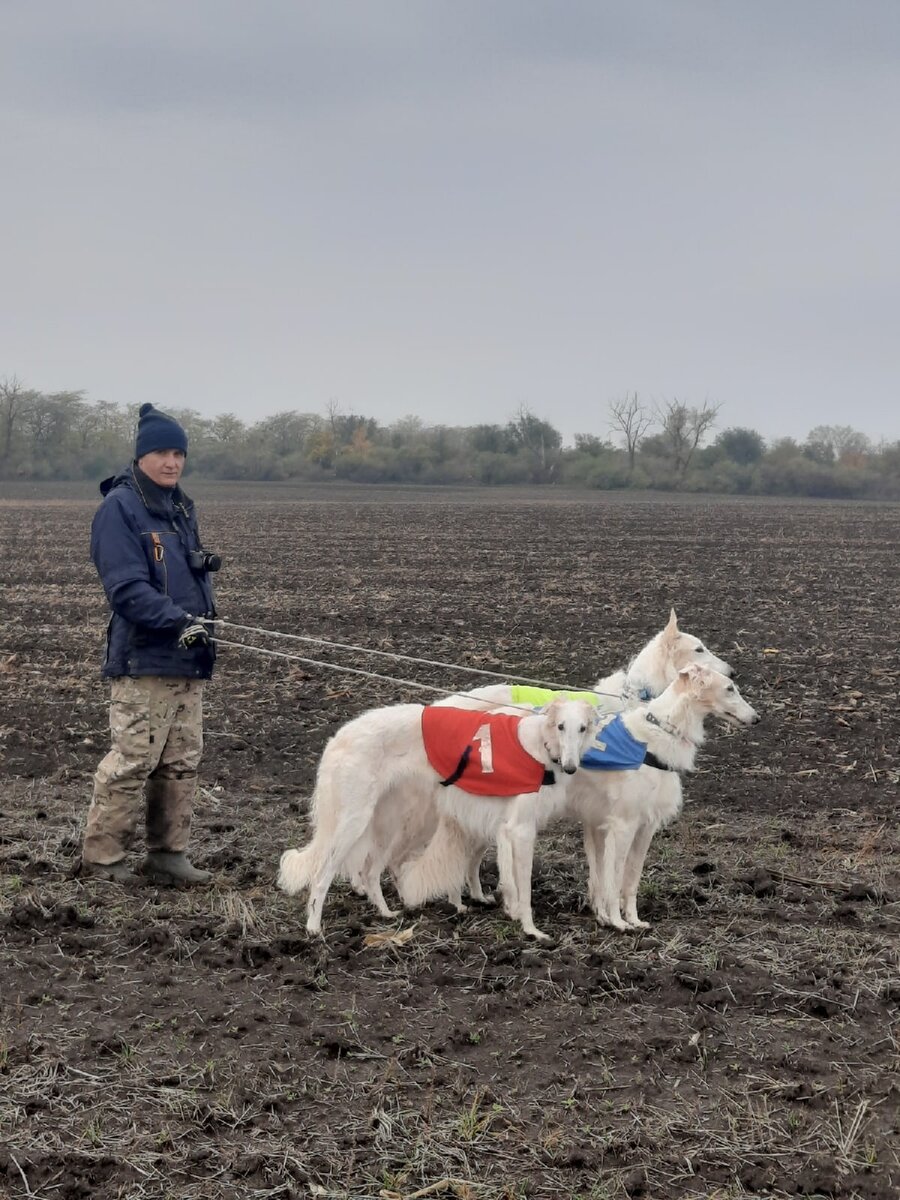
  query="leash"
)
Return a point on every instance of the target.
[
  {"x": 649, "y": 760},
  {"x": 527, "y": 709},
  {"x": 428, "y": 662},
  {"x": 314, "y": 662}
]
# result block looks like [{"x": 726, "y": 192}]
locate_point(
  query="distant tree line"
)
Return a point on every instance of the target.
[{"x": 62, "y": 435}]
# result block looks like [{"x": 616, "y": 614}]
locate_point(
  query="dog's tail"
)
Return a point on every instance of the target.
[
  {"x": 439, "y": 870},
  {"x": 296, "y": 869}
]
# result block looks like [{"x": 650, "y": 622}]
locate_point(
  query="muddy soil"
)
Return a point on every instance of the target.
[{"x": 196, "y": 1044}]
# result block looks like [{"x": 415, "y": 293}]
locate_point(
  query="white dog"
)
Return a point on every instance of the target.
[
  {"x": 622, "y": 810},
  {"x": 646, "y": 676},
  {"x": 621, "y": 797},
  {"x": 406, "y": 747},
  {"x": 406, "y": 819}
]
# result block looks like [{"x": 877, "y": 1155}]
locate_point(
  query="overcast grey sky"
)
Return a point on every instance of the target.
[{"x": 453, "y": 208}]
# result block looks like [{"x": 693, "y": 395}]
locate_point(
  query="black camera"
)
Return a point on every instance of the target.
[{"x": 204, "y": 560}]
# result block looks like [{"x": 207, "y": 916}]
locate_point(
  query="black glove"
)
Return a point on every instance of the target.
[{"x": 194, "y": 634}]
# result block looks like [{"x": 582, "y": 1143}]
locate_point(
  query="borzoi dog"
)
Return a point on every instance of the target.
[
  {"x": 388, "y": 749},
  {"x": 406, "y": 819},
  {"x": 621, "y": 808},
  {"x": 646, "y": 676}
]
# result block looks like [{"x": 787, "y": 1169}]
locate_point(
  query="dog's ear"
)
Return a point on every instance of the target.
[
  {"x": 671, "y": 629},
  {"x": 695, "y": 677}
]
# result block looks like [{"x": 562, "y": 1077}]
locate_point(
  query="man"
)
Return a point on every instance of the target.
[{"x": 146, "y": 547}]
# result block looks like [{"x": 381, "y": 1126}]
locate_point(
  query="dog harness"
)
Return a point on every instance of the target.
[
  {"x": 537, "y": 697},
  {"x": 480, "y": 752},
  {"x": 614, "y": 748}
]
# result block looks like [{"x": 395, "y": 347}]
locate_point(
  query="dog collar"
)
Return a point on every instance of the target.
[
  {"x": 643, "y": 693},
  {"x": 650, "y": 760},
  {"x": 674, "y": 733}
]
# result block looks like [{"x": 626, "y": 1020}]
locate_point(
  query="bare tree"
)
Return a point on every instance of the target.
[
  {"x": 333, "y": 415},
  {"x": 14, "y": 402},
  {"x": 630, "y": 418},
  {"x": 683, "y": 428}
]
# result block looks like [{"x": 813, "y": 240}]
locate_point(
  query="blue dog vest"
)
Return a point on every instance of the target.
[{"x": 614, "y": 748}]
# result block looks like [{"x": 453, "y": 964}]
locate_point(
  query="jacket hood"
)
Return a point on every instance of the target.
[
  {"x": 107, "y": 485},
  {"x": 157, "y": 500}
]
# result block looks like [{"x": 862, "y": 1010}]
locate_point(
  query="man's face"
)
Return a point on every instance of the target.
[{"x": 164, "y": 467}]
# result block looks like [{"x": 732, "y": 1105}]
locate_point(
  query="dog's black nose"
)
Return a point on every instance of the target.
[
  {"x": 756, "y": 719},
  {"x": 570, "y": 770}
]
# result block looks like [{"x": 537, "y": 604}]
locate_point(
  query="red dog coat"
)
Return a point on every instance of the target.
[{"x": 479, "y": 752}]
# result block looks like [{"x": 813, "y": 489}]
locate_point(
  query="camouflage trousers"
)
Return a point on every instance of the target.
[{"x": 156, "y": 724}]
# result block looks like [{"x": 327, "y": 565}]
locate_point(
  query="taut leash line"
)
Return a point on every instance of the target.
[
  {"x": 312, "y": 662},
  {"x": 427, "y": 662}
]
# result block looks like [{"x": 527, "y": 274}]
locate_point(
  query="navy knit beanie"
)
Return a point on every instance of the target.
[{"x": 156, "y": 431}]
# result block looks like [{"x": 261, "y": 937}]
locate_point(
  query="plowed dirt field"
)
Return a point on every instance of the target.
[{"x": 195, "y": 1044}]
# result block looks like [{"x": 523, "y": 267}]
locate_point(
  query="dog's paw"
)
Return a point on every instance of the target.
[
  {"x": 539, "y": 935},
  {"x": 612, "y": 922}
]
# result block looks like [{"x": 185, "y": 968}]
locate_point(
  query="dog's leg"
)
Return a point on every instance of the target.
[
  {"x": 352, "y": 821},
  {"x": 318, "y": 890},
  {"x": 522, "y": 847},
  {"x": 371, "y": 882},
  {"x": 593, "y": 837},
  {"x": 606, "y": 901},
  {"x": 326, "y": 869},
  {"x": 506, "y": 873},
  {"x": 473, "y": 875},
  {"x": 634, "y": 869},
  {"x": 517, "y": 835},
  {"x": 376, "y": 895},
  {"x": 359, "y": 880}
]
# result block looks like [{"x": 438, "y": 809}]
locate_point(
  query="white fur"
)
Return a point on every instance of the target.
[
  {"x": 622, "y": 810},
  {"x": 380, "y": 756},
  {"x": 619, "y": 810},
  {"x": 650, "y": 671}
]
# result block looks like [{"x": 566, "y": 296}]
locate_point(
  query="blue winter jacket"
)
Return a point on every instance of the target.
[{"x": 140, "y": 539}]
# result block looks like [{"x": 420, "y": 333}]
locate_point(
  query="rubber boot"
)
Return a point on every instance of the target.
[
  {"x": 171, "y": 867},
  {"x": 117, "y": 872}
]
